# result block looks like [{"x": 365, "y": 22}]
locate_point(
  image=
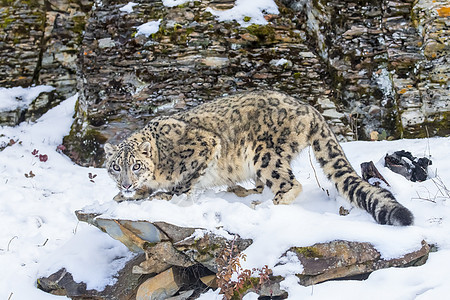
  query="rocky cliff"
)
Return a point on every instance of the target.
[
  {"x": 39, "y": 45},
  {"x": 376, "y": 69}
]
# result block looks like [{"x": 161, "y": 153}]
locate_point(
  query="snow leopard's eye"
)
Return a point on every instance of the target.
[
  {"x": 136, "y": 166},
  {"x": 116, "y": 168}
]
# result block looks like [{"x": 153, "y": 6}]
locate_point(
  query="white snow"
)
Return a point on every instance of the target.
[
  {"x": 173, "y": 3},
  {"x": 128, "y": 8},
  {"x": 19, "y": 97},
  {"x": 40, "y": 233},
  {"x": 279, "y": 62},
  {"x": 247, "y": 12},
  {"x": 148, "y": 28}
]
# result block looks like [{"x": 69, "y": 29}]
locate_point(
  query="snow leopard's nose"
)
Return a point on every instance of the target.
[{"x": 126, "y": 186}]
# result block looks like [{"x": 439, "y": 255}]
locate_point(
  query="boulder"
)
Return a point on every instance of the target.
[{"x": 161, "y": 286}]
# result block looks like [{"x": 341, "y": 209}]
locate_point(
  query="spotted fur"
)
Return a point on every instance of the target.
[{"x": 246, "y": 136}]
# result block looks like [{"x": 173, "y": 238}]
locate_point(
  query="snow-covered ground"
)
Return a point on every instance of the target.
[{"x": 41, "y": 188}]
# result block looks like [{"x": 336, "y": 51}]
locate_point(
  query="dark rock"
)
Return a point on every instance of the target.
[
  {"x": 369, "y": 171},
  {"x": 412, "y": 168}
]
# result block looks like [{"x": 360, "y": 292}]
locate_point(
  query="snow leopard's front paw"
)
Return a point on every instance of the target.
[
  {"x": 132, "y": 196},
  {"x": 161, "y": 196}
]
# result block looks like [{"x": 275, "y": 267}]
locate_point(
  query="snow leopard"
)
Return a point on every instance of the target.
[{"x": 251, "y": 136}]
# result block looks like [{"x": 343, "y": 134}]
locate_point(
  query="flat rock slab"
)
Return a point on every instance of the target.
[{"x": 344, "y": 259}]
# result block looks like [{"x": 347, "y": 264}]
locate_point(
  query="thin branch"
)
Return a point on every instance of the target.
[
  {"x": 315, "y": 174},
  {"x": 428, "y": 141},
  {"x": 45, "y": 243},
  {"x": 9, "y": 243},
  {"x": 445, "y": 192},
  {"x": 424, "y": 199}
]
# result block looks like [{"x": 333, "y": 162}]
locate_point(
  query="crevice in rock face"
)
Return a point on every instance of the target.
[{"x": 42, "y": 45}]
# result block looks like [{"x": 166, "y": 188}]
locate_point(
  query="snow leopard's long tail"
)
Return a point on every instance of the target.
[{"x": 379, "y": 202}]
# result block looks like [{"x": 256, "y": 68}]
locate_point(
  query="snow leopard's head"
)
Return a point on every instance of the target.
[{"x": 130, "y": 165}]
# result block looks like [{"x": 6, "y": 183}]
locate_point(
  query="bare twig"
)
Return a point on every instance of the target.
[
  {"x": 10, "y": 296},
  {"x": 430, "y": 199},
  {"x": 442, "y": 191},
  {"x": 315, "y": 174},
  {"x": 445, "y": 192},
  {"x": 43, "y": 243},
  {"x": 428, "y": 141},
  {"x": 76, "y": 228},
  {"x": 9, "y": 243}
]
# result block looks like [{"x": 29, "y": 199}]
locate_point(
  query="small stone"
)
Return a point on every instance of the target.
[
  {"x": 326, "y": 103},
  {"x": 374, "y": 136},
  {"x": 354, "y": 31},
  {"x": 263, "y": 75},
  {"x": 307, "y": 54},
  {"x": 215, "y": 62},
  {"x": 189, "y": 16},
  {"x": 65, "y": 59},
  {"x": 106, "y": 43},
  {"x": 433, "y": 49},
  {"x": 374, "y": 109},
  {"x": 343, "y": 211},
  {"x": 332, "y": 114},
  {"x": 284, "y": 63},
  {"x": 249, "y": 37}
]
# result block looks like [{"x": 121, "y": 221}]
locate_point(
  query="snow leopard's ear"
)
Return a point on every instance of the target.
[
  {"x": 109, "y": 150},
  {"x": 145, "y": 148}
]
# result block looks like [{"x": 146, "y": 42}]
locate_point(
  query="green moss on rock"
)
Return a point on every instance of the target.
[
  {"x": 6, "y": 19},
  {"x": 85, "y": 147},
  {"x": 308, "y": 252},
  {"x": 439, "y": 127},
  {"x": 265, "y": 33},
  {"x": 248, "y": 284}
]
